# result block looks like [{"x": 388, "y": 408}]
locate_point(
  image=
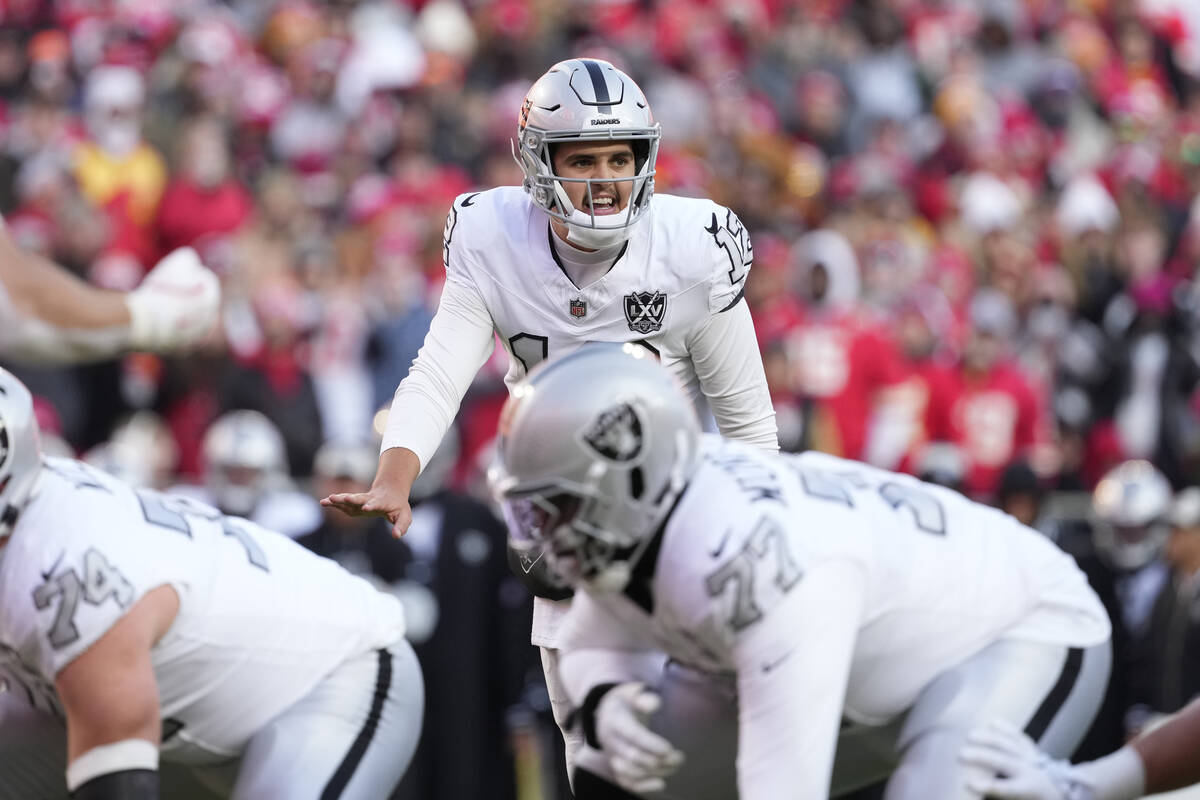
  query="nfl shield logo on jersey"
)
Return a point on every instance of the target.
[
  {"x": 644, "y": 311},
  {"x": 578, "y": 308}
]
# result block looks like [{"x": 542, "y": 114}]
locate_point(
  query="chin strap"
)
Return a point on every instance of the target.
[{"x": 596, "y": 238}]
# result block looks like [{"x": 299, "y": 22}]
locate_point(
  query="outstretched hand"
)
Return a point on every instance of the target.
[{"x": 378, "y": 501}]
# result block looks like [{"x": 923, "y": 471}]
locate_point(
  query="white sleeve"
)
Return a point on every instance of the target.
[
  {"x": 459, "y": 341},
  {"x": 724, "y": 352},
  {"x": 792, "y": 671},
  {"x": 598, "y": 648}
]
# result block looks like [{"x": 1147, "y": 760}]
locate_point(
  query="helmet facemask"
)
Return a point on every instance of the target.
[
  {"x": 585, "y": 228},
  {"x": 587, "y": 532}
]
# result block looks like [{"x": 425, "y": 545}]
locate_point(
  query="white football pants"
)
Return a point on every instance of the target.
[
  {"x": 351, "y": 738},
  {"x": 1050, "y": 691}
]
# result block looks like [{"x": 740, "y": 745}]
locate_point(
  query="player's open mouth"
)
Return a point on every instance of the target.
[{"x": 602, "y": 205}]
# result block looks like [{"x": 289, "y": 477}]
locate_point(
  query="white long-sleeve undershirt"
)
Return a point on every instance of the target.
[
  {"x": 724, "y": 352},
  {"x": 460, "y": 340}
]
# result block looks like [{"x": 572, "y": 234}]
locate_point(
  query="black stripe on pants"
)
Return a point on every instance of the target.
[
  {"x": 345, "y": 770},
  {"x": 1057, "y": 696}
]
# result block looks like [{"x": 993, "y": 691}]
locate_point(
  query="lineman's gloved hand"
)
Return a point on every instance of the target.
[
  {"x": 176, "y": 304},
  {"x": 1019, "y": 770},
  {"x": 640, "y": 759}
]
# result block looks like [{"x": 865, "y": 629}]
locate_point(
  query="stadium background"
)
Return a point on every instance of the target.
[{"x": 1004, "y": 195}]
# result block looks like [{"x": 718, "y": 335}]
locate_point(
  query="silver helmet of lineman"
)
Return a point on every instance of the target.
[
  {"x": 586, "y": 100},
  {"x": 244, "y": 457},
  {"x": 1129, "y": 514},
  {"x": 20, "y": 450},
  {"x": 594, "y": 448}
]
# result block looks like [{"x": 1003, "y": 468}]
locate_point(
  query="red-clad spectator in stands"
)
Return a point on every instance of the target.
[
  {"x": 927, "y": 334},
  {"x": 204, "y": 199},
  {"x": 988, "y": 407},
  {"x": 841, "y": 355}
]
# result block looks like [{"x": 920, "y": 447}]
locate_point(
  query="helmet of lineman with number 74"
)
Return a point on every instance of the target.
[
  {"x": 20, "y": 451},
  {"x": 594, "y": 448},
  {"x": 587, "y": 100}
]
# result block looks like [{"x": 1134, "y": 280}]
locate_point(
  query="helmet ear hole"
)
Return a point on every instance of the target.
[
  {"x": 637, "y": 483},
  {"x": 641, "y": 152}
]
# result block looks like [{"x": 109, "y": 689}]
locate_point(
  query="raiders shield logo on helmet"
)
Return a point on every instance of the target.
[
  {"x": 616, "y": 434},
  {"x": 644, "y": 311}
]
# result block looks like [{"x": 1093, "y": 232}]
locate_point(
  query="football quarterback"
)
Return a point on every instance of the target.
[{"x": 584, "y": 251}]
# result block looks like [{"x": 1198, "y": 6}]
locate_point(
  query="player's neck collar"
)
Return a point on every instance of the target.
[
  {"x": 594, "y": 257},
  {"x": 641, "y": 577}
]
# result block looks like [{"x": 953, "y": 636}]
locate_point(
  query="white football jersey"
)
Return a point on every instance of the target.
[
  {"x": 943, "y": 576},
  {"x": 675, "y": 287},
  {"x": 682, "y": 266},
  {"x": 261, "y": 620},
  {"x": 687, "y": 261}
]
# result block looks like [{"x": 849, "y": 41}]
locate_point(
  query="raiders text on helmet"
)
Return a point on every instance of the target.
[{"x": 586, "y": 100}]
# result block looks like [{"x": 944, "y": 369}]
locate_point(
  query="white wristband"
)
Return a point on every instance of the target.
[
  {"x": 107, "y": 758},
  {"x": 1117, "y": 776}
]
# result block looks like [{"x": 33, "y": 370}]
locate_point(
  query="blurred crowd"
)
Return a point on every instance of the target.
[{"x": 976, "y": 223}]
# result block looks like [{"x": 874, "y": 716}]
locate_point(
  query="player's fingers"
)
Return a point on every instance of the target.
[
  {"x": 400, "y": 524},
  {"x": 347, "y": 508},
  {"x": 375, "y": 504},
  {"x": 646, "y": 785},
  {"x": 347, "y": 498},
  {"x": 638, "y": 784},
  {"x": 633, "y": 773},
  {"x": 631, "y": 757},
  {"x": 991, "y": 788},
  {"x": 646, "y": 741},
  {"x": 647, "y": 703},
  {"x": 987, "y": 759}
]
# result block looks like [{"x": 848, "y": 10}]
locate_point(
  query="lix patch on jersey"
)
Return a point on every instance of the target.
[{"x": 644, "y": 311}]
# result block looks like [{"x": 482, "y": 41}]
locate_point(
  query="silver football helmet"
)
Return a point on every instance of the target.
[
  {"x": 594, "y": 448},
  {"x": 586, "y": 100},
  {"x": 244, "y": 457},
  {"x": 20, "y": 451},
  {"x": 1129, "y": 514}
]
